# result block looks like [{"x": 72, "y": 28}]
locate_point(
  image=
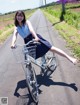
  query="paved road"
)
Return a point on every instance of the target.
[{"x": 63, "y": 88}]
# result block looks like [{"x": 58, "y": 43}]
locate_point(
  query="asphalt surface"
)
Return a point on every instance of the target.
[{"x": 62, "y": 88}]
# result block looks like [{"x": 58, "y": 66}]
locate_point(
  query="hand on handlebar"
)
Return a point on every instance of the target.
[{"x": 36, "y": 39}]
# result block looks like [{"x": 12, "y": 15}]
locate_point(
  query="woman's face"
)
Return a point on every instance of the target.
[{"x": 19, "y": 17}]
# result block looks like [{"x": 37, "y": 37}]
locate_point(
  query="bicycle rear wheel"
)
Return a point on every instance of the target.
[
  {"x": 32, "y": 83},
  {"x": 51, "y": 58}
]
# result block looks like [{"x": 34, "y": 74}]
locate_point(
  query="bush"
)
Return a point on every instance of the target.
[{"x": 72, "y": 18}]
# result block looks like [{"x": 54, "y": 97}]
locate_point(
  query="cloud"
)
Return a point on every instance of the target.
[{"x": 12, "y": 1}]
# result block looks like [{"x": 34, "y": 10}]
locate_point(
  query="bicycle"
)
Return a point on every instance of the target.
[{"x": 29, "y": 52}]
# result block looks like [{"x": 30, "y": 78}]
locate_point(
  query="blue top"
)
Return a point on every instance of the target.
[{"x": 23, "y": 31}]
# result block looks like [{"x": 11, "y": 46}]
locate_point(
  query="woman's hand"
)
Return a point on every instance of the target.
[
  {"x": 36, "y": 39},
  {"x": 13, "y": 46}
]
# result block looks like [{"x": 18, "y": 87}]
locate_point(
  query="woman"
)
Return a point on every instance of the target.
[{"x": 26, "y": 31}]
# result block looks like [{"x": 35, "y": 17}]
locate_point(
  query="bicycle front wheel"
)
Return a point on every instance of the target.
[{"x": 32, "y": 83}]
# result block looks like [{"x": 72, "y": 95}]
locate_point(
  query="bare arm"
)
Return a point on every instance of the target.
[
  {"x": 32, "y": 30},
  {"x": 14, "y": 37}
]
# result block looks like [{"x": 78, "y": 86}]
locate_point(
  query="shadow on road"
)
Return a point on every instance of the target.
[
  {"x": 56, "y": 23},
  {"x": 23, "y": 99},
  {"x": 20, "y": 85},
  {"x": 44, "y": 80}
]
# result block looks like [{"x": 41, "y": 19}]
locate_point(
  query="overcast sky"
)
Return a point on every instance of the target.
[{"x": 12, "y": 5}]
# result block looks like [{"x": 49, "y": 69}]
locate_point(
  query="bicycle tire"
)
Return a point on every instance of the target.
[{"x": 32, "y": 83}]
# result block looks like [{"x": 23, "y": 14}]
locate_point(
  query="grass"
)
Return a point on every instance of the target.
[
  {"x": 69, "y": 33},
  {"x": 71, "y": 16},
  {"x": 5, "y": 34}
]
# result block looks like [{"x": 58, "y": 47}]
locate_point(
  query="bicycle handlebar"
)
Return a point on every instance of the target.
[
  {"x": 27, "y": 44},
  {"x": 31, "y": 42}
]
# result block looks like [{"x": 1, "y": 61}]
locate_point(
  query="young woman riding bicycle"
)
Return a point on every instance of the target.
[{"x": 26, "y": 31}]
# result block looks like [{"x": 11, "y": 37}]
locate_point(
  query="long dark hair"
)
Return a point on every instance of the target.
[{"x": 15, "y": 20}]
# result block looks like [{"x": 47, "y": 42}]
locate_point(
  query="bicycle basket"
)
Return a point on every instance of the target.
[{"x": 31, "y": 51}]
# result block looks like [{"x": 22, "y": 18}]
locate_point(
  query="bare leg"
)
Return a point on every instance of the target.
[{"x": 62, "y": 53}]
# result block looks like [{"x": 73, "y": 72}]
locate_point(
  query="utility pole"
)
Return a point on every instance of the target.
[{"x": 45, "y": 2}]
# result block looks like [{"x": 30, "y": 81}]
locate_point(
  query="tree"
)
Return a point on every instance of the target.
[{"x": 63, "y": 10}]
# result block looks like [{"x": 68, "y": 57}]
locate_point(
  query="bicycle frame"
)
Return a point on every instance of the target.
[{"x": 30, "y": 59}]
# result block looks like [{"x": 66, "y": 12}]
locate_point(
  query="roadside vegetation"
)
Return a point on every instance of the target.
[
  {"x": 69, "y": 29},
  {"x": 7, "y": 24}
]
